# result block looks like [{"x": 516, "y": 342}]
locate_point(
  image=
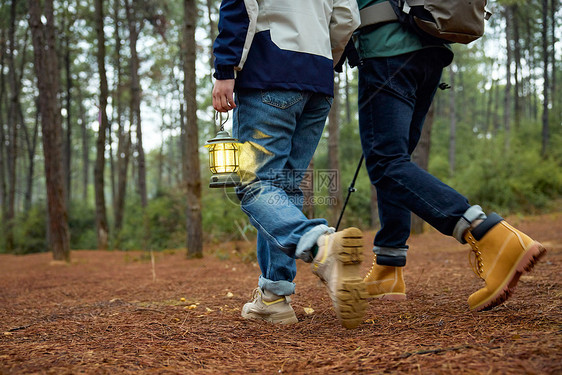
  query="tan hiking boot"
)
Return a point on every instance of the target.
[
  {"x": 337, "y": 264},
  {"x": 269, "y": 307},
  {"x": 502, "y": 254},
  {"x": 385, "y": 282}
]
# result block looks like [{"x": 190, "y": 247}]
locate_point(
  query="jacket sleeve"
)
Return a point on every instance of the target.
[
  {"x": 237, "y": 24},
  {"x": 345, "y": 20}
]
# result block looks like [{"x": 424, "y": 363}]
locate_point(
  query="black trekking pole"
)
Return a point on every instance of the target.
[{"x": 350, "y": 190}]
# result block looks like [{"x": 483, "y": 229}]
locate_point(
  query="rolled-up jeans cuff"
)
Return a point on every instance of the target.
[
  {"x": 308, "y": 241},
  {"x": 390, "y": 251},
  {"x": 391, "y": 256},
  {"x": 473, "y": 213},
  {"x": 281, "y": 287}
]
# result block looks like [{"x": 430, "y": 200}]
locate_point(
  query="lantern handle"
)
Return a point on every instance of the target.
[{"x": 218, "y": 116}]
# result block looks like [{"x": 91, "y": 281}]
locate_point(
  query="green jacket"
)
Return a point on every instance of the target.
[{"x": 390, "y": 39}]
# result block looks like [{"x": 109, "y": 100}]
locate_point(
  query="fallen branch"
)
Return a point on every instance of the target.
[{"x": 19, "y": 328}]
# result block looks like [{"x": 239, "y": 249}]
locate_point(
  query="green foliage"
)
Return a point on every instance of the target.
[
  {"x": 130, "y": 237},
  {"x": 506, "y": 179},
  {"x": 30, "y": 235},
  {"x": 517, "y": 180},
  {"x": 165, "y": 219},
  {"x": 82, "y": 225},
  {"x": 222, "y": 220},
  {"x": 166, "y": 216},
  {"x": 438, "y": 165},
  {"x": 222, "y": 217}
]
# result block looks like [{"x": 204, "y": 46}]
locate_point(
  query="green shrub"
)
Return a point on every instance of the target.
[
  {"x": 130, "y": 237},
  {"x": 166, "y": 217},
  {"x": 517, "y": 180},
  {"x": 30, "y": 230},
  {"x": 223, "y": 220},
  {"x": 82, "y": 225},
  {"x": 161, "y": 226}
]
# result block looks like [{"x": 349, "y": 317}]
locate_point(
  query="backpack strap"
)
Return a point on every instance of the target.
[
  {"x": 384, "y": 12},
  {"x": 415, "y": 3},
  {"x": 377, "y": 13}
]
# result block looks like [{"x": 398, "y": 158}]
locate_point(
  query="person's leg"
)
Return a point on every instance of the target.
[
  {"x": 388, "y": 92},
  {"x": 385, "y": 279},
  {"x": 277, "y": 268},
  {"x": 265, "y": 123},
  {"x": 308, "y": 131},
  {"x": 390, "y": 241},
  {"x": 394, "y": 98},
  {"x": 340, "y": 254},
  {"x": 275, "y": 145},
  {"x": 502, "y": 252}
]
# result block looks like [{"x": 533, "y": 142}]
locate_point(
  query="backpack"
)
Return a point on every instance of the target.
[{"x": 458, "y": 21}]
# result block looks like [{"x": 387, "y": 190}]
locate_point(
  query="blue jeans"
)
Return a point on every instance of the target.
[
  {"x": 395, "y": 94},
  {"x": 279, "y": 131}
]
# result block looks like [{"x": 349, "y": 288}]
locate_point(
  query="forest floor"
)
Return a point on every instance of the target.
[{"x": 119, "y": 312}]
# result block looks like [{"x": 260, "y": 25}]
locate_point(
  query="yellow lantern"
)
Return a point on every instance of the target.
[{"x": 223, "y": 160}]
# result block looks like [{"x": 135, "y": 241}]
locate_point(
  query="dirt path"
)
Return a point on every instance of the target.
[{"x": 106, "y": 314}]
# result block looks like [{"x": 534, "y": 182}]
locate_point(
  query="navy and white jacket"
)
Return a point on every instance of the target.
[{"x": 283, "y": 44}]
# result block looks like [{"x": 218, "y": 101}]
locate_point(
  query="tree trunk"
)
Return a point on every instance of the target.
[
  {"x": 532, "y": 101},
  {"x": 333, "y": 151},
  {"x": 3, "y": 166},
  {"x": 85, "y": 146},
  {"x": 212, "y": 36},
  {"x": 452, "y": 123},
  {"x": 48, "y": 81},
  {"x": 554, "y": 4},
  {"x": 420, "y": 156},
  {"x": 124, "y": 150},
  {"x": 68, "y": 142},
  {"x": 99, "y": 167},
  {"x": 30, "y": 149},
  {"x": 517, "y": 57},
  {"x": 14, "y": 123},
  {"x": 545, "y": 130},
  {"x": 160, "y": 156},
  {"x": 124, "y": 137},
  {"x": 109, "y": 134},
  {"x": 134, "y": 31},
  {"x": 31, "y": 143},
  {"x": 496, "y": 111},
  {"x": 508, "y": 13},
  {"x": 192, "y": 174},
  {"x": 490, "y": 95},
  {"x": 160, "y": 163},
  {"x": 136, "y": 100}
]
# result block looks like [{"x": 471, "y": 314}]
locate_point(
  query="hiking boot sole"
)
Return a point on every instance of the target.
[
  {"x": 388, "y": 296},
  {"x": 525, "y": 263},
  {"x": 351, "y": 294},
  {"x": 281, "y": 318}
]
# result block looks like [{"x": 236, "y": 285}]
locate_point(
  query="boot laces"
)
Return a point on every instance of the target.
[
  {"x": 373, "y": 266},
  {"x": 475, "y": 253},
  {"x": 255, "y": 294}
]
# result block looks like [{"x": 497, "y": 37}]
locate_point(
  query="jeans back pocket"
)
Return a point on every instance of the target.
[{"x": 281, "y": 99}]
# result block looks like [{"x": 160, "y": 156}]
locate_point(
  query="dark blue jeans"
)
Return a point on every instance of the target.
[{"x": 395, "y": 94}]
